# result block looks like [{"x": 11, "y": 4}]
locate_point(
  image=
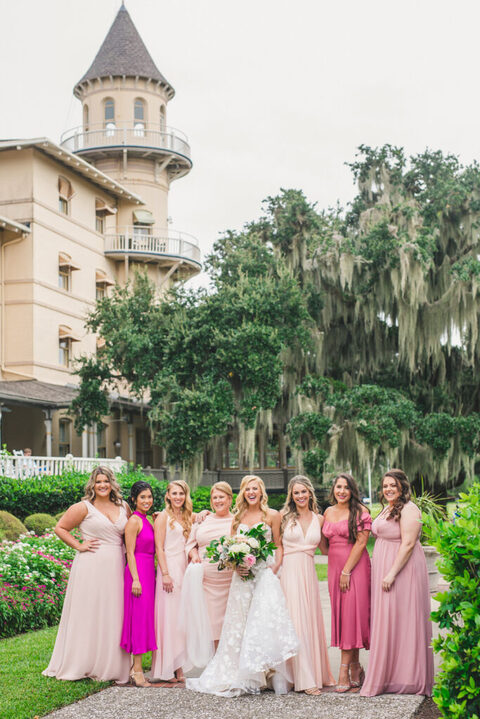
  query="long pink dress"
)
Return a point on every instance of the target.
[
  {"x": 170, "y": 640},
  {"x": 310, "y": 667},
  {"x": 138, "y": 634},
  {"x": 215, "y": 584},
  {"x": 88, "y": 638},
  {"x": 401, "y": 658},
  {"x": 350, "y": 609}
]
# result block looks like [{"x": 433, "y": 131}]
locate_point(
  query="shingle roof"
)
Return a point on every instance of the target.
[
  {"x": 123, "y": 52},
  {"x": 38, "y": 393}
]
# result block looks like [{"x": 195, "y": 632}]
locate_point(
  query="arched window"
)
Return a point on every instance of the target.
[
  {"x": 109, "y": 116},
  {"x": 139, "y": 117},
  {"x": 65, "y": 194},
  {"x": 85, "y": 118}
]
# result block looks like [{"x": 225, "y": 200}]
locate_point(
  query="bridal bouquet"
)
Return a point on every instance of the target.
[{"x": 245, "y": 549}]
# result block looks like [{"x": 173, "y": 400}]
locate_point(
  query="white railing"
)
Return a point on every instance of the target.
[
  {"x": 20, "y": 467},
  {"x": 164, "y": 242},
  {"x": 126, "y": 135}
]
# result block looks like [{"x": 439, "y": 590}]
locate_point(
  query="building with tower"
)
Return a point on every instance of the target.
[{"x": 76, "y": 218}]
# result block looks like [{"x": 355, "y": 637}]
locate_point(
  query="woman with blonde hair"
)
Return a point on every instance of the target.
[
  {"x": 172, "y": 529},
  {"x": 257, "y": 636},
  {"x": 88, "y": 638},
  {"x": 301, "y": 529}
]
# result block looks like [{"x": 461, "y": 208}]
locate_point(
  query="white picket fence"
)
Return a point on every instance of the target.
[{"x": 20, "y": 467}]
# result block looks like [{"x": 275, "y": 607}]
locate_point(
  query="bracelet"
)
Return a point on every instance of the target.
[
  {"x": 165, "y": 574},
  {"x": 347, "y": 574}
]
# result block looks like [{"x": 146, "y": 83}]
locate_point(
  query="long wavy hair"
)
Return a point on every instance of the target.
[
  {"x": 289, "y": 510},
  {"x": 355, "y": 505},
  {"x": 186, "y": 518},
  {"x": 115, "y": 491},
  {"x": 221, "y": 487},
  {"x": 241, "y": 504},
  {"x": 403, "y": 486}
]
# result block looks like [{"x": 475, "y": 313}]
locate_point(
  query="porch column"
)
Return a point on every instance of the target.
[
  {"x": 48, "y": 431},
  {"x": 130, "y": 442},
  {"x": 85, "y": 442}
]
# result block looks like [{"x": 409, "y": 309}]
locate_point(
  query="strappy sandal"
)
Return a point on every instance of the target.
[
  {"x": 343, "y": 688},
  {"x": 357, "y": 683},
  {"x": 313, "y": 692},
  {"x": 142, "y": 683}
]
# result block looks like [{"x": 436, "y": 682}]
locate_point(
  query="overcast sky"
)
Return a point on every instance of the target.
[{"x": 271, "y": 93}]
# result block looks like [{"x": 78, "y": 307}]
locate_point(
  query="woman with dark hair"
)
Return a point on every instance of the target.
[
  {"x": 401, "y": 658},
  {"x": 346, "y": 528},
  {"x": 88, "y": 639},
  {"x": 138, "y": 635}
]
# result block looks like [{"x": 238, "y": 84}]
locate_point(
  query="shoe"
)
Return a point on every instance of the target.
[
  {"x": 361, "y": 676},
  {"x": 313, "y": 692},
  {"x": 138, "y": 680},
  {"x": 343, "y": 688}
]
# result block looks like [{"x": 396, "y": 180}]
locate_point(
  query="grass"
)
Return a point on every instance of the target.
[{"x": 26, "y": 693}]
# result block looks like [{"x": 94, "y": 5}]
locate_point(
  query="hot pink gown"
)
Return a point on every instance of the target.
[
  {"x": 401, "y": 658},
  {"x": 215, "y": 584},
  {"x": 350, "y": 609},
  {"x": 88, "y": 638},
  {"x": 310, "y": 667},
  {"x": 138, "y": 634},
  {"x": 170, "y": 640}
]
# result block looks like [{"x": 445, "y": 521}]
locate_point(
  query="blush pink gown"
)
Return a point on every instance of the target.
[
  {"x": 310, "y": 667},
  {"x": 170, "y": 640},
  {"x": 138, "y": 634},
  {"x": 216, "y": 584},
  {"x": 88, "y": 638},
  {"x": 401, "y": 658},
  {"x": 350, "y": 609}
]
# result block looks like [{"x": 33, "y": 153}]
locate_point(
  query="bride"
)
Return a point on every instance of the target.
[{"x": 257, "y": 636}]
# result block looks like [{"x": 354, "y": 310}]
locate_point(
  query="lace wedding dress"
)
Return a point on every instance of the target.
[{"x": 257, "y": 638}]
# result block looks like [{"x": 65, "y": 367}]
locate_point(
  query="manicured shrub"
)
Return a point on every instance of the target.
[
  {"x": 10, "y": 526},
  {"x": 457, "y": 688},
  {"x": 39, "y": 523},
  {"x": 59, "y": 515}
]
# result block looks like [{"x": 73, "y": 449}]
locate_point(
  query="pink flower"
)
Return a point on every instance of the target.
[{"x": 250, "y": 560}]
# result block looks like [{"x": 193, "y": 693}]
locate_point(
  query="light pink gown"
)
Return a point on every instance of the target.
[
  {"x": 401, "y": 658},
  {"x": 88, "y": 639},
  {"x": 310, "y": 667},
  {"x": 170, "y": 640},
  {"x": 215, "y": 584}
]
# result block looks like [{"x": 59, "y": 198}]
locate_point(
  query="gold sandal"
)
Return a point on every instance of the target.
[
  {"x": 361, "y": 676},
  {"x": 343, "y": 688},
  {"x": 143, "y": 684}
]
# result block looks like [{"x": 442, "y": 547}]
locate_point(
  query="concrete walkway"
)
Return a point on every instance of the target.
[{"x": 132, "y": 703}]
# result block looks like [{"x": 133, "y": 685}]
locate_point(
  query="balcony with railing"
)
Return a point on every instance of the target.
[
  {"x": 162, "y": 246},
  {"x": 140, "y": 136}
]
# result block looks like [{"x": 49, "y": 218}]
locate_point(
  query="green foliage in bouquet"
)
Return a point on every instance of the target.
[{"x": 245, "y": 549}]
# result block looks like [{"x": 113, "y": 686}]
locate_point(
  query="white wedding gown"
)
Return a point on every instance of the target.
[{"x": 257, "y": 638}]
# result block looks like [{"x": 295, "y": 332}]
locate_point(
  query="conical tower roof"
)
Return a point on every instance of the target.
[{"x": 123, "y": 53}]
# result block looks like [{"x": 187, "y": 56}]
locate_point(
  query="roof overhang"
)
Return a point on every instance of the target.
[
  {"x": 76, "y": 164},
  {"x": 12, "y": 226}
]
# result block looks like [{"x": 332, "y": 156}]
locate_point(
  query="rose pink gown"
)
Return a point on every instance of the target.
[
  {"x": 170, "y": 640},
  {"x": 88, "y": 638},
  {"x": 310, "y": 667},
  {"x": 350, "y": 609},
  {"x": 215, "y": 584},
  {"x": 138, "y": 634},
  {"x": 401, "y": 658}
]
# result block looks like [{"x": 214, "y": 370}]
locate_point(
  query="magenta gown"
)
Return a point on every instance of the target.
[
  {"x": 350, "y": 609},
  {"x": 138, "y": 634},
  {"x": 401, "y": 658}
]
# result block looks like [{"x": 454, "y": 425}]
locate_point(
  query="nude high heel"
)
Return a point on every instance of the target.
[{"x": 342, "y": 688}]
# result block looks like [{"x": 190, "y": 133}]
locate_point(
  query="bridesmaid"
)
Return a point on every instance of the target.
[
  {"x": 88, "y": 639},
  {"x": 346, "y": 527},
  {"x": 216, "y": 585},
  {"x": 301, "y": 530},
  {"x": 138, "y": 634},
  {"x": 401, "y": 658},
  {"x": 172, "y": 529}
]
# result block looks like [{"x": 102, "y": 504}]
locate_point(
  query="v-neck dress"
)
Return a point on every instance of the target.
[
  {"x": 310, "y": 667},
  {"x": 88, "y": 638}
]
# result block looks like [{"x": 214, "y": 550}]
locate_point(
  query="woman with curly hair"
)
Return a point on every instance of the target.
[
  {"x": 172, "y": 529},
  {"x": 88, "y": 638},
  {"x": 301, "y": 530},
  {"x": 401, "y": 658},
  {"x": 346, "y": 528},
  {"x": 258, "y": 635}
]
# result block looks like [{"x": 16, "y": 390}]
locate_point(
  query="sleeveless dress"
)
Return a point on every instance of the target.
[
  {"x": 170, "y": 654},
  {"x": 88, "y": 638},
  {"x": 401, "y": 658},
  {"x": 350, "y": 609},
  {"x": 138, "y": 634},
  {"x": 216, "y": 585},
  {"x": 257, "y": 638},
  {"x": 311, "y": 666}
]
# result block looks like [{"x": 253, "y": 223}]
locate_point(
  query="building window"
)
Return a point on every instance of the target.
[
  {"x": 100, "y": 223},
  {"x": 64, "y": 351},
  {"x": 163, "y": 122},
  {"x": 139, "y": 118},
  {"x": 109, "y": 116},
  {"x": 143, "y": 453},
  {"x": 65, "y": 194},
  {"x": 100, "y": 292},
  {"x": 85, "y": 118},
  {"x": 101, "y": 211},
  {"x": 64, "y": 428},
  {"x": 101, "y": 284},
  {"x": 65, "y": 269},
  {"x": 101, "y": 440}
]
